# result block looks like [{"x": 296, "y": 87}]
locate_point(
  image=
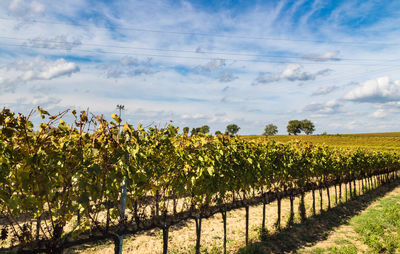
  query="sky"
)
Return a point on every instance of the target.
[{"x": 194, "y": 63}]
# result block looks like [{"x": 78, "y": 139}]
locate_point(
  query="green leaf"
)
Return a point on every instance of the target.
[{"x": 42, "y": 112}]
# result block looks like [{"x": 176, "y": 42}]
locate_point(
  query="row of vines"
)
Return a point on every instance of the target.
[{"x": 64, "y": 184}]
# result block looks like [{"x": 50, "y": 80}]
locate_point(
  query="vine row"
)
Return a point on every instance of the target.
[{"x": 64, "y": 184}]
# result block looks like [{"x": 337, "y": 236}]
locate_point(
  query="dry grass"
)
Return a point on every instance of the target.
[{"x": 344, "y": 235}]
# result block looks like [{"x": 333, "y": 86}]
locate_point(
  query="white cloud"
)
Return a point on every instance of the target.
[
  {"x": 325, "y": 90},
  {"x": 47, "y": 102},
  {"x": 37, "y": 7},
  {"x": 387, "y": 109},
  {"x": 292, "y": 72},
  {"x": 323, "y": 109},
  {"x": 194, "y": 116},
  {"x": 36, "y": 69},
  {"x": 58, "y": 42},
  {"x": 348, "y": 125},
  {"x": 129, "y": 61},
  {"x": 199, "y": 50},
  {"x": 129, "y": 67},
  {"x": 226, "y": 76},
  {"x": 41, "y": 69},
  {"x": 211, "y": 65},
  {"x": 24, "y": 8},
  {"x": 328, "y": 56},
  {"x": 379, "y": 90},
  {"x": 57, "y": 69},
  {"x": 216, "y": 68},
  {"x": 380, "y": 113}
]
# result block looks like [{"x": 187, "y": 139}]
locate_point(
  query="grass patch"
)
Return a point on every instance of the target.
[
  {"x": 345, "y": 249},
  {"x": 252, "y": 248},
  {"x": 379, "y": 227},
  {"x": 319, "y": 227}
]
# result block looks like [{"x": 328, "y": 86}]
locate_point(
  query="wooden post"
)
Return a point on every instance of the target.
[
  {"x": 278, "y": 221},
  {"x": 247, "y": 224},
  {"x": 165, "y": 239},
  {"x": 118, "y": 250},
  {"x": 198, "y": 233},
  {"x": 336, "y": 198},
  {"x": 291, "y": 215},
  {"x": 320, "y": 195},
  {"x": 302, "y": 208},
  {"x": 313, "y": 201},
  {"x": 329, "y": 197},
  {"x": 223, "y": 213},
  {"x": 38, "y": 221}
]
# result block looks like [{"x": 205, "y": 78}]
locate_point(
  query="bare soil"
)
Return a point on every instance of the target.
[{"x": 319, "y": 231}]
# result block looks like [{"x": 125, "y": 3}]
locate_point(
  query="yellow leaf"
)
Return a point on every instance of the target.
[{"x": 116, "y": 118}]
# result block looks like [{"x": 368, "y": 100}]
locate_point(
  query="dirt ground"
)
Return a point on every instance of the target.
[{"x": 317, "y": 232}]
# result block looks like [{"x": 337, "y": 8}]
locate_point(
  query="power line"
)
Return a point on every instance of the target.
[
  {"x": 310, "y": 58},
  {"x": 210, "y": 35},
  {"x": 197, "y": 58}
]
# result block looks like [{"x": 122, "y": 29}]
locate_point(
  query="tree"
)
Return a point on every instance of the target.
[
  {"x": 194, "y": 131},
  {"x": 232, "y": 129},
  {"x": 205, "y": 129},
  {"x": 294, "y": 127},
  {"x": 307, "y": 126},
  {"x": 185, "y": 130},
  {"x": 218, "y": 133},
  {"x": 270, "y": 129}
]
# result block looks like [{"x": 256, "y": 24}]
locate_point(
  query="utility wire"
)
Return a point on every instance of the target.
[
  {"x": 30, "y": 42},
  {"x": 194, "y": 57},
  {"x": 208, "y": 34}
]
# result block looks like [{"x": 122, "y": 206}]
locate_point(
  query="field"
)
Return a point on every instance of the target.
[{"x": 388, "y": 141}]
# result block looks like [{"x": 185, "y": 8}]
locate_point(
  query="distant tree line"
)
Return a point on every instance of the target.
[
  {"x": 231, "y": 129},
  {"x": 294, "y": 127}
]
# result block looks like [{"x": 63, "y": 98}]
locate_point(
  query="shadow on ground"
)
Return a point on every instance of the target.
[{"x": 318, "y": 227}]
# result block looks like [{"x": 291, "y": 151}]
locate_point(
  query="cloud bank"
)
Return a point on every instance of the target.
[
  {"x": 379, "y": 90},
  {"x": 35, "y": 69},
  {"x": 41, "y": 69}
]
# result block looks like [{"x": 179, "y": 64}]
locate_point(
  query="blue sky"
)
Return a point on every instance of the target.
[{"x": 207, "y": 62}]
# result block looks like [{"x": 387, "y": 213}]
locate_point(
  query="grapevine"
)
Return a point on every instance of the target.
[{"x": 65, "y": 179}]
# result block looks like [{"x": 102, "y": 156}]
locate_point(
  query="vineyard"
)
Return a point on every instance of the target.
[
  {"x": 63, "y": 185},
  {"x": 371, "y": 141}
]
